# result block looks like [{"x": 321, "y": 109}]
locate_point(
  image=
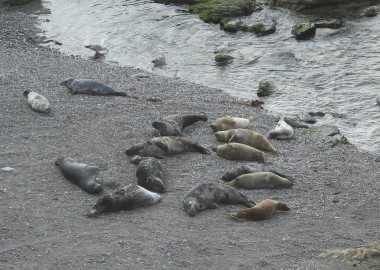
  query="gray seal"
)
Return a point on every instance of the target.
[
  {"x": 149, "y": 173},
  {"x": 160, "y": 147},
  {"x": 90, "y": 87},
  {"x": 238, "y": 151},
  {"x": 250, "y": 168},
  {"x": 173, "y": 125},
  {"x": 85, "y": 176},
  {"x": 127, "y": 198},
  {"x": 208, "y": 195}
]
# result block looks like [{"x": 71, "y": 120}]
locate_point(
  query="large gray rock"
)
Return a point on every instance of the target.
[{"x": 328, "y": 134}]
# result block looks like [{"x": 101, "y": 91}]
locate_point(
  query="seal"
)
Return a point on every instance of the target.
[
  {"x": 261, "y": 211},
  {"x": 37, "y": 102},
  {"x": 282, "y": 131},
  {"x": 173, "y": 125},
  {"x": 247, "y": 137},
  {"x": 85, "y": 176},
  {"x": 208, "y": 195},
  {"x": 159, "y": 147},
  {"x": 149, "y": 173},
  {"x": 251, "y": 168},
  {"x": 90, "y": 87},
  {"x": 229, "y": 122},
  {"x": 238, "y": 151},
  {"x": 127, "y": 198},
  {"x": 97, "y": 48},
  {"x": 260, "y": 180}
]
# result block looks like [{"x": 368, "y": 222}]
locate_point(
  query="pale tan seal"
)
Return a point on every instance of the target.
[
  {"x": 229, "y": 122},
  {"x": 247, "y": 137},
  {"x": 238, "y": 151},
  {"x": 261, "y": 180},
  {"x": 37, "y": 102},
  {"x": 261, "y": 211}
]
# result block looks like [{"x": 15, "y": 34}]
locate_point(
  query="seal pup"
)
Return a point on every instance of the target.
[
  {"x": 149, "y": 173},
  {"x": 159, "y": 147},
  {"x": 250, "y": 168},
  {"x": 127, "y": 198},
  {"x": 282, "y": 131},
  {"x": 260, "y": 180},
  {"x": 85, "y": 176},
  {"x": 173, "y": 125},
  {"x": 208, "y": 195},
  {"x": 261, "y": 211},
  {"x": 90, "y": 87},
  {"x": 238, "y": 151},
  {"x": 229, "y": 122},
  {"x": 37, "y": 102},
  {"x": 247, "y": 137}
]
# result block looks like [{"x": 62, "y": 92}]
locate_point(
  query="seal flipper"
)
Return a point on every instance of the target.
[{"x": 201, "y": 149}]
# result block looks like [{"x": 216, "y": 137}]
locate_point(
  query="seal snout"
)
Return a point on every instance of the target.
[{"x": 26, "y": 92}]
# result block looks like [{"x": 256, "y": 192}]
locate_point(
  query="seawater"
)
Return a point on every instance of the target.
[{"x": 337, "y": 72}]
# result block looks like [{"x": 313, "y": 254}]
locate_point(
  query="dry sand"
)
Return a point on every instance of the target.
[{"x": 42, "y": 221}]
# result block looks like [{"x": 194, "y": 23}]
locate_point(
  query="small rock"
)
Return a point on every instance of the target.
[
  {"x": 8, "y": 169},
  {"x": 266, "y": 88},
  {"x": 304, "y": 31},
  {"x": 332, "y": 24},
  {"x": 335, "y": 200},
  {"x": 223, "y": 58},
  {"x": 263, "y": 30},
  {"x": 308, "y": 118},
  {"x": 378, "y": 100}
]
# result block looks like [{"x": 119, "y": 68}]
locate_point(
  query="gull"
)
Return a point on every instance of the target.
[{"x": 223, "y": 49}]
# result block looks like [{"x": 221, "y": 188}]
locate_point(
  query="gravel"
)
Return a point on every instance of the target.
[{"x": 334, "y": 202}]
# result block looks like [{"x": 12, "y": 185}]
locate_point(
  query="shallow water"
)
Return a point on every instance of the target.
[{"x": 338, "y": 72}]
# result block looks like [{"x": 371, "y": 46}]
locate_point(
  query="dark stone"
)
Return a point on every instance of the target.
[
  {"x": 266, "y": 88},
  {"x": 332, "y": 24},
  {"x": 304, "y": 31}
]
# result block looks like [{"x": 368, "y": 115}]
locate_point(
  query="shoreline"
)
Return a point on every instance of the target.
[{"x": 43, "y": 215}]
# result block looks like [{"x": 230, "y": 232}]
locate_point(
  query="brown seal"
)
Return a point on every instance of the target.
[
  {"x": 261, "y": 211},
  {"x": 238, "y": 151}
]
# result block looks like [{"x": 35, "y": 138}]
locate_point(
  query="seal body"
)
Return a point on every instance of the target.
[
  {"x": 174, "y": 124},
  {"x": 85, "y": 176},
  {"x": 160, "y": 147},
  {"x": 260, "y": 180},
  {"x": 247, "y": 137},
  {"x": 238, "y": 151},
  {"x": 229, "y": 122},
  {"x": 37, "y": 102},
  {"x": 250, "y": 168},
  {"x": 261, "y": 211},
  {"x": 208, "y": 195},
  {"x": 149, "y": 173},
  {"x": 282, "y": 131},
  {"x": 127, "y": 198},
  {"x": 90, "y": 87}
]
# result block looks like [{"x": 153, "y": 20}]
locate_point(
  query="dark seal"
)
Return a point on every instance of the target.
[
  {"x": 160, "y": 147},
  {"x": 90, "y": 87},
  {"x": 173, "y": 125},
  {"x": 149, "y": 173},
  {"x": 85, "y": 176},
  {"x": 127, "y": 198},
  {"x": 208, "y": 195}
]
